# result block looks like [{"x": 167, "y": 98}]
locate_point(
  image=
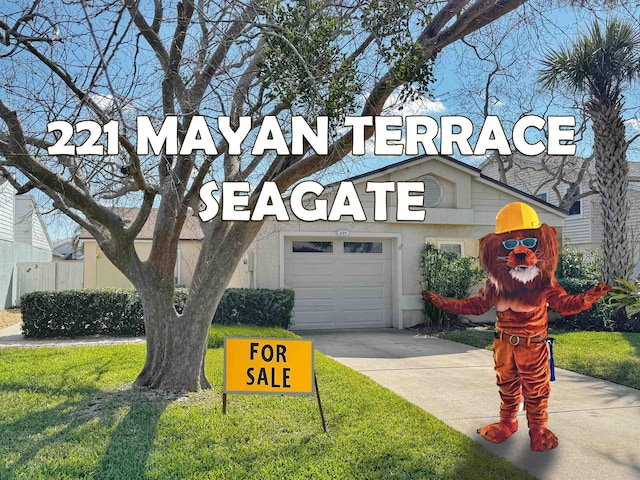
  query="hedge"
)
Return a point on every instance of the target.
[
  {"x": 602, "y": 316},
  {"x": 259, "y": 306},
  {"x": 76, "y": 313}
]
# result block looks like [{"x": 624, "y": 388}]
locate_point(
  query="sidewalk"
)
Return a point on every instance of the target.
[
  {"x": 597, "y": 422},
  {"x": 12, "y": 337}
]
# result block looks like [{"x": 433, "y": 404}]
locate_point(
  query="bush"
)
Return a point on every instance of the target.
[
  {"x": 578, "y": 272},
  {"x": 259, "y": 306},
  {"x": 576, "y": 264},
  {"x": 597, "y": 318},
  {"x": 76, "y": 313},
  {"x": 626, "y": 297},
  {"x": 447, "y": 274}
]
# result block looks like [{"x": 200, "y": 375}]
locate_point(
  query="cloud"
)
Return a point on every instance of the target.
[
  {"x": 634, "y": 123},
  {"x": 418, "y": 106},
  {"x": 110, "y": 104}
]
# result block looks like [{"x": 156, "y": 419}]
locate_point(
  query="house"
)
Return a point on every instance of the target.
[
  {"x": 23, "y": 238},
  {"x": 538, "y": 176},
  {"x": 69, "y": 248},
  {"x": 99, "y": 272},
  {"x": 366, "y": 274}
]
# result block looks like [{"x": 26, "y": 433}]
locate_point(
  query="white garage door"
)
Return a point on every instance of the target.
[{"x": 343, "y": 283}]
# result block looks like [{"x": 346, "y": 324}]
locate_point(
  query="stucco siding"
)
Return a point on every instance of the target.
[
  {"x": 29, "y": 227},
  {"x": 99, "y": 272}
]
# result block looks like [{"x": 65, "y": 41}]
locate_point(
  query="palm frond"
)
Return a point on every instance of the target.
[{"x": 598, "y": 62}]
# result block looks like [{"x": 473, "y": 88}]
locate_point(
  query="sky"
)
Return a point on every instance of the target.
[
  {"x": 459, "y": 88},
  {"x": 461, "y": 77}
]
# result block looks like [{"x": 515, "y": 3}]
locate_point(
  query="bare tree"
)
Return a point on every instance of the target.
[{"x": 107, "y": 59}]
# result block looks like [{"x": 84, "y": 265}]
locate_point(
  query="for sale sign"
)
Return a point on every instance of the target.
[{"x": 268, "y": 365}]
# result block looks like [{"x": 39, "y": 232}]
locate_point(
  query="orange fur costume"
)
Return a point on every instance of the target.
[{"x": 520, "y": 259}]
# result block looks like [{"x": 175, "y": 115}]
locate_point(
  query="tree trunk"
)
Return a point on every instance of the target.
[
  {"x": 176, "y": 344},
  {"x": 612, "y": 171}
]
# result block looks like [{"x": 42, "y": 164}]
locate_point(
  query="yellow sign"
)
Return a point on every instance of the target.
[{"x": 268, "y": 365}]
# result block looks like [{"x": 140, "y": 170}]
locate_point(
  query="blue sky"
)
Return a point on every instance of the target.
[
  {"x": 460, "y": 81},
  {"x": 460, "y": 76}
]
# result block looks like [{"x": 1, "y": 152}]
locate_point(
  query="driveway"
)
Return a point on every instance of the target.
[{"x": 597, "y": 422}]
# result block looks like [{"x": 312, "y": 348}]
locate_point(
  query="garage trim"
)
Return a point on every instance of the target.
[{"x": 396, "y": 261}]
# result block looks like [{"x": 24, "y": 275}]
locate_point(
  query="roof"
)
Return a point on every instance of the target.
[
  {"x": 476, "y": 172},
  {"x": 190, "y": 231}
]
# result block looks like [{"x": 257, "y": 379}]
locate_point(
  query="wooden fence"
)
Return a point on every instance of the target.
[{"x": 41, "y": 276}]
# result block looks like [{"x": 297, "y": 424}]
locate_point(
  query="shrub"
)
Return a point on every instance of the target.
[
  {"x": 447, "y": 274},
  {"x": 577, "y": 264},
  {"x": 259, "y": 306},
  {"x": 578, "y": 272},
  {"x": 597, "y": 318},
  {"x": 626, "y": 297},
  {"x": 76, "y": 313}
]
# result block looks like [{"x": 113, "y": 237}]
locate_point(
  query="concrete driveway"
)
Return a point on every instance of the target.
[{"x": 597, "y": 422}]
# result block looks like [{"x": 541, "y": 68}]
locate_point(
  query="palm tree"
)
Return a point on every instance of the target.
[{"x": 600, "y": 64}]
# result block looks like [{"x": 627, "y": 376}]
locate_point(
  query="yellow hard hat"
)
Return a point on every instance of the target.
[{"x": 516, "y": 216}]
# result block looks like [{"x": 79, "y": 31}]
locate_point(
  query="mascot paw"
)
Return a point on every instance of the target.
[
  {"x": 597, "y": 292},
  {"x": 432, "y": 297},
  {"x": 498, "y": 432},
  {"x": 542, "y": 439}
]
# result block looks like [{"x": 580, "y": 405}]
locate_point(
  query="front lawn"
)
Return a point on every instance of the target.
[
  {"x": 610, "y": 356},
  {"x": 72, "y": 413}
]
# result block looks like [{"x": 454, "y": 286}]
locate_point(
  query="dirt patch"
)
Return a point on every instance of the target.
[
  {"x": 10, "y": 317},
  {"x": 449, "y": 324}
]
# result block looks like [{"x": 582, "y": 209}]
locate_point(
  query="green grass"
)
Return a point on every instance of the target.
[
  {"x": 72, "y": 413},
  {"x": 218, "y": 332},
  {"x": 610, "y": 356}
]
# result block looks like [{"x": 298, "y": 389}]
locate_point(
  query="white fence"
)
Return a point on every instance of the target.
[{"x": 41, "y": 276}]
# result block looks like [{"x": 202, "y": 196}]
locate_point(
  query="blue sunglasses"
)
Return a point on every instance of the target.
[{"x": 525, "y": 242}]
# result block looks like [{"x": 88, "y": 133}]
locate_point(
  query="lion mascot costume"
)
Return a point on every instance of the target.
[{"x": 520, "y": 258}]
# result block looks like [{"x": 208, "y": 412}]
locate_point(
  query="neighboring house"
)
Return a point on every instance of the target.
[
  {"x": 68, "y": 249},
  {"x": 583, "y": 224},
  {"x": 99, "y": 272},
  {"x": 23, "y": 238},
  {"x": 350, "y": 274}
]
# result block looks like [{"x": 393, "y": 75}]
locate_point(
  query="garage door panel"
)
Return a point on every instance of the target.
[
  {"x": 320, "y": 269},
  {"x": 359, "y": 318},
  {"x": 338, "y": 289},
  {"x": 364, "y": 293},
  {"x": 308, "y": 293},
  {"x": 359, "y": 269},
  {"x": 315, "y": 320}
]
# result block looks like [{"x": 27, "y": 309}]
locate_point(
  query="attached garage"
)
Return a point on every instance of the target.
[
  {"x": 351, "y": 274},
  {"x": 339, "y": 283}
]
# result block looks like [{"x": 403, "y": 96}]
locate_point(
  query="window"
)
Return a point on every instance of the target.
[
  {"x": 303, "y": 246},
  {"x": 451, "y": 248},
  {"x": 432, "y": 191},
  {"x": 362, "y": 247},
  {"x": 576, "y": 208}
]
